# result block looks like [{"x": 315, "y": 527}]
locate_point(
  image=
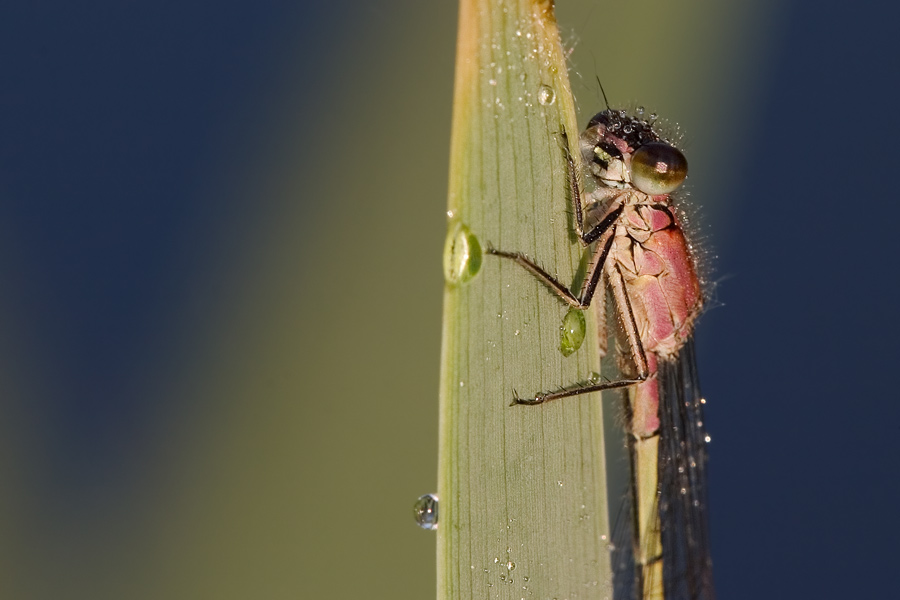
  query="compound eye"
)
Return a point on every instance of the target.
[{"x": 657, "y": 168}]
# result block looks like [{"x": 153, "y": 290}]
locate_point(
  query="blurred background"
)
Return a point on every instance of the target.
[{"x": 221, "y": 230}]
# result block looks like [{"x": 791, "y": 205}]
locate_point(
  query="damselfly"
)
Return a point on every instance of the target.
[{"x": 641, "y": 256}]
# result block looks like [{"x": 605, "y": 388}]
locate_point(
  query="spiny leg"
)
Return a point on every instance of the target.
[
  {"x": 623, "y": 306},
  {"x": 574, "y": 189},
  {"x": 589, "y": 286},
  {"x": 578, "y": 205},
  {"x": 604, "y": 233}
]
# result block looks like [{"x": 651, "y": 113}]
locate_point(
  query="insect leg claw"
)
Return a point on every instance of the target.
[{"x": 539, "y": 399}]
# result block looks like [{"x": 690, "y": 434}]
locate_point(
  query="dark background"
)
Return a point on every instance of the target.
[{"x": 207, "y": 392}]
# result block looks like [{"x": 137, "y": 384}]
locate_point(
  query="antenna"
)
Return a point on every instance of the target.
[{"x": 602, "y": 91}]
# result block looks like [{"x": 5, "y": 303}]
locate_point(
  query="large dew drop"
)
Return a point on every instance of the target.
[
  {"x": 462, "y": 255},
  {"x": 426, "y": 511},
  {"x": 571, "y": 334},
  {"x": 546, "y": 95}
]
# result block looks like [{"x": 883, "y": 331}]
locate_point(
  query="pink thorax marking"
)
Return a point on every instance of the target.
[{"x": 660, "y": 278}]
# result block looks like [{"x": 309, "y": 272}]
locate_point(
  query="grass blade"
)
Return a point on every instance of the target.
[{"x": 523, "y": 510}]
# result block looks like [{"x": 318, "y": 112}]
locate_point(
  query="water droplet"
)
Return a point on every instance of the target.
[
  {"x": 571, "y": 332},
  {"x": 546, "y": 95},
  {"x": 510, "y": 566},
  {"x": 462, "y": 255},
  {"x": 492, "y": 81},
  {"x": 426, "y": 511}
]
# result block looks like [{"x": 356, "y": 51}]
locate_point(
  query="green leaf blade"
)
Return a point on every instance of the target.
[{"x": 522, "y": 489}]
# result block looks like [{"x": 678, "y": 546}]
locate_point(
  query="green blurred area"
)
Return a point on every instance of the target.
[{"x": 319, "y": 350}]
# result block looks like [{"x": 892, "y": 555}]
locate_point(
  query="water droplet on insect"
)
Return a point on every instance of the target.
[
  {"x": 572, "y": 332},
  {"x": 546, "y": 95},
  {"x": 462, "y": 255},
  {"x": 426, "y": 511}
]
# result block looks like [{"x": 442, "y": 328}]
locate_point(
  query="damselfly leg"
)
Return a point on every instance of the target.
[{"x": 603, "y": 234}]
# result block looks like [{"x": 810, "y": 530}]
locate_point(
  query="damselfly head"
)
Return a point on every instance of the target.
[{"x": 625, "y": 151}]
